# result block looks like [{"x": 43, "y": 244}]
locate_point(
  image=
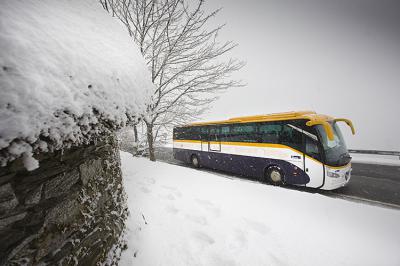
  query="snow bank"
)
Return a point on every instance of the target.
[
  {"x": 183, "y": 216},
  {"x": 69, "y": 71}
]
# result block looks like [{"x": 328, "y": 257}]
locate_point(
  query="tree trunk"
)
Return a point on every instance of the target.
[
  {"x": 136, "y": 138},
  {"x": 150, "y": 141},
  {"x": 135, "y": 133}
]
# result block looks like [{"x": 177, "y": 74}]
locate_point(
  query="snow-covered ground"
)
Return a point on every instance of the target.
[{"x": 183, "y": 216}]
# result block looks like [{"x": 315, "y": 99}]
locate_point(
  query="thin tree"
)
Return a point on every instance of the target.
[{"x": 188, "y": 65}]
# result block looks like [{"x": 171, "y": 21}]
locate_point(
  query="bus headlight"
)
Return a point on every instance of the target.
[{"x": 333, "y": 174}]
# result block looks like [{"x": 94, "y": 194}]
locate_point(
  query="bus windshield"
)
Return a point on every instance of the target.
[{"x": 336, "y": 153}]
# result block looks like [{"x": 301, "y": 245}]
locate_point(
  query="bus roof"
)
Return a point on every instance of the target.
[
  {"x": 312, "y": 117},
  {"x": 306, "y": 115}
]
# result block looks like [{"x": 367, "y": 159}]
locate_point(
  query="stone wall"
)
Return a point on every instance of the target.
[{"x": 69, "y": 211}]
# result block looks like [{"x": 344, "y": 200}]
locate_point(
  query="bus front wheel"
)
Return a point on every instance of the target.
[
  {"x": 274, "y": 175},
  {"x": 195, "y": 161}
]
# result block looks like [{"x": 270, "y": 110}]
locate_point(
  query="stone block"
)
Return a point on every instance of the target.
[
  {"x": 8, "y": 200},
  {"x": 61, "y": 184},
  {"x": 91, "y": 169},
  {"x": 50, "y": 242},
  {"x": 11, "y": 219},
  {"x": 22, "y": 245},
  {"x": 9, "y": 238},
  {"x": 34, "y": 196},
  {"x": 63, "y": 213},
  {"x": 6, "y": 178}
]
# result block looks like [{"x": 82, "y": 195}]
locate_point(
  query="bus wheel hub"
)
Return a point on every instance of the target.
[{"x": 275, "y": 176}]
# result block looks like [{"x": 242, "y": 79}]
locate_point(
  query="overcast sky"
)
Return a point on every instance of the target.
[{"x": 340, "y": 58}]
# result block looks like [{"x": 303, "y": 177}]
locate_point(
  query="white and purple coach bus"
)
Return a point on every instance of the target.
[{"x": 298, "y": 148}]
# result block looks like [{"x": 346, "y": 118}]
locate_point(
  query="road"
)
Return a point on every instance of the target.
[
  {"x": 380, "y": 183},
  {"x": 370, "y": 183}
]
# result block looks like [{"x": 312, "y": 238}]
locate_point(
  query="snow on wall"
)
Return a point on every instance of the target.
[{"x": 68, "y": 71}]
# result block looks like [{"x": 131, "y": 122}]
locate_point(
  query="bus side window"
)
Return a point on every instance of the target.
[
  {"x": 291, "y": 137},
  {"x": 235, "y": 133},
  {"x": 195, "y": 133},
  {"x": 204, "y": 133},
  {"x": 214, "y": 133},
  {"x": 188, "y": 133},
  {"x": 312, "y": 148},
  {"x": 175, "y": 133},
  {"x": 311, "y": 143},
  {"x": 225, "y": 133},
  {"x": 244, "y": 132},
  {"x": 178, "y": 133},
  {"x": 269, "y": 132}
]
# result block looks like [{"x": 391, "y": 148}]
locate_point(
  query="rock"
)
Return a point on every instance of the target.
[
  {"x": 18, "y": 248},
  {"x": 35, "y": 196},
  {"x": 61, "y": 184},
  {"x": 71, "y": 210},
  {"x": 6, "y": 192},
  {"x": 11, "y": 219},
  {"x": 50, "y": 242},
  {"x": 8, "y": 200},
  {"x": 9, "y": 238},
  {"x": 6, "y": 178},
  {"x": 63, "y": 212},
  {"x": 90, "y": 169}
]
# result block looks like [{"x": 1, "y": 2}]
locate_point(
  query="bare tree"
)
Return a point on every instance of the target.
[{"x": 188, "y": 65}]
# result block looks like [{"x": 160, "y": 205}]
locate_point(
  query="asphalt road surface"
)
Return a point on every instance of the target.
[{"x": 369, "y": 183}]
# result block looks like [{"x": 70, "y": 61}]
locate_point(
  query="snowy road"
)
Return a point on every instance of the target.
[
  {"x": 182, "y": 216},
  {"x": 373, "y": 183}
]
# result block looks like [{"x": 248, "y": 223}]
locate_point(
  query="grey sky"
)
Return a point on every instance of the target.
[{"x": 335, "y": 57}]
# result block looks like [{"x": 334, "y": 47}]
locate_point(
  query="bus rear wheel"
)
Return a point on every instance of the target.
[
  {"x": 274, "y": 175},
  {"x": 195, "y": 161}
]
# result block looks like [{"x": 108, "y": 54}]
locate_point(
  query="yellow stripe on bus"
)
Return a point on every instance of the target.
[{"x": 265, "y": 145}]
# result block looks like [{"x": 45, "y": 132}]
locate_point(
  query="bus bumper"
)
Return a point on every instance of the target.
[{"x": 337, "y": 177}]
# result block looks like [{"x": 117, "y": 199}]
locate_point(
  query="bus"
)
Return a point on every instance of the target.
[{"x": 297, "y": 148}]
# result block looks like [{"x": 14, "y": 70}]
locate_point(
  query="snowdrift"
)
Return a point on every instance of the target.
[
  {"x": 185, "y": 216},
  {"x": 68, "y": 72}
]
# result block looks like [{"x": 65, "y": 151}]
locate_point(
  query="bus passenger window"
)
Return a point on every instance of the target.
[
  {"x": 214, "y": 133},
  {"x": 204, "y": 133},
  {"x": 269, "y": 132},
  {"x": 244, "y": 133},
  {"x": 195, "y": 133},
  {"x": 225, "y": 133},
  {"x": 291, "y": 137}
]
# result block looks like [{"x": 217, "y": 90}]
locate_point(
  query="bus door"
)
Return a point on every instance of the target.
[
  {"x": 204, "y": 139},
  {"x": 312, "y": 160},
  {"x": 214, "y": 143},
  {"x": 304, "y": 138}
]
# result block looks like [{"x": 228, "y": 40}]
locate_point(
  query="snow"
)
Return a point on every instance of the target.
[
  {"x": 185, "y": 216},
  {"x": 168, "y": 145},
  {"x": 375, "y": 159},
  {"x": 69, "y": 70},
  {"x": 29, "y": 162}
]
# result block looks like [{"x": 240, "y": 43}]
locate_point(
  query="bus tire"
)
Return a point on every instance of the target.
[
  {"x": 195, "y": 161},
  {"x": 274, "y": 175}
]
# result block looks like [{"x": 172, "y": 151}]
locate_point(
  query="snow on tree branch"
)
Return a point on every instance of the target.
[{"x": 187, "y": 62}]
